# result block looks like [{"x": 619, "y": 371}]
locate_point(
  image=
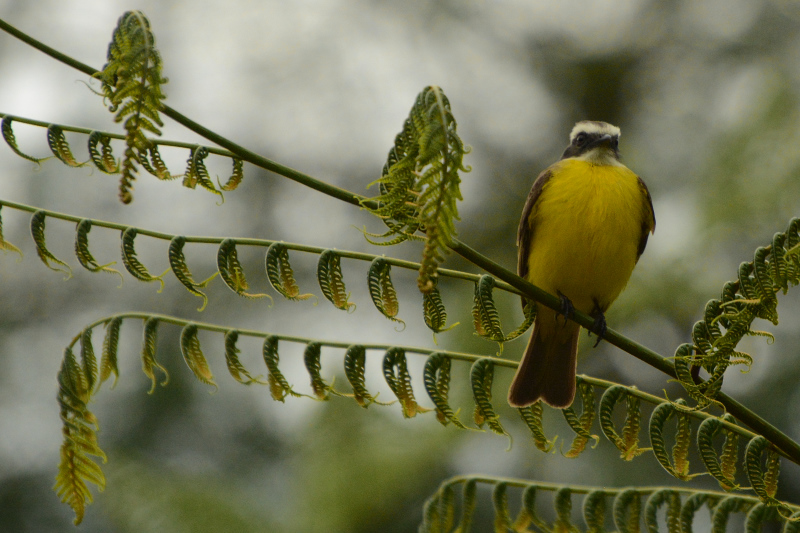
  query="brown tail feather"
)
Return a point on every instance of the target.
[{"x": 547, "y": 369}]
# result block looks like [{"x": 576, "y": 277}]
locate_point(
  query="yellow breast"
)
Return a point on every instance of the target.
[{"x": 587, "y": 224}]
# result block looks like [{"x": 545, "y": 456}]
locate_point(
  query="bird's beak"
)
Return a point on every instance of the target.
[{"x": 604, "y": 140}]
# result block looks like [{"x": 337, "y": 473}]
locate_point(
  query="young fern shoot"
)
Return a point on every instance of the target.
[
  {"x": 131, "y": 84},
  {"x": 419, "y": 185}
]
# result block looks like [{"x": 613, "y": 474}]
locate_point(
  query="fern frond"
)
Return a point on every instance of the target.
[
  {"x": 197, "y": 173},
  {"x": 672, "y": 500},
  {"x": 88, "y": 361},
  {"x": 193, "y": 355},
  {"x": 280, "y": 273},
  {"x": 235, "y": 367},
  {"x": 723, "y": 510},
  {"x": 437, "y": 384},
  {"x": 594, "y": 511},
  {"x": 439, "y": 186},
  {"x": 11, "y": 140},
  {"x": 82, "y": 378},
  {"x": 433, "y": 311},
  {"x": 532, "y": 416},
  {"x": 753, "y": 295},
  {"x": 692, "y": 504},
  {"x": 76, "y": 468},
  {"x": 628, "y": 443},
  {"x": 446, "y": 512},
  {"x": 763, "y": 480},
  {"x": 231, "y": 272},
  {"x": 278, "y": 386},
  {"x": 486, "y": 319},
  {"x": 37, "y": 232},
  {"x": 402, "y": 237},
  {"x": 529, "y": 313},
  {"x": 190, "y": 176},
  {"x": 724, "y": 468},
  {"x": 419, "y": 184},
  {"x": 381, "y": 289},
  {"x": 502, "y": 517},
  {"x": 481, "y": 378},
  {"x": 528, "y": 515},
  {"x": 680, "y": 505},
  {"x": 131, "y": 84},
  {"x": 149, "y": 345},
  {"x": 771, "y": 474},
  {"x": 395, "y": 371},
  {"x": 331, "y": 281},
  {"x": 684, "y": 370},
  {"x": 4, "y": 244},
  {"x": 432, "y": 521},
  {"x": 177, "y": 262},
  {"x": 627, "y": 511},
  {"x": 73, "y": 385},
  {"x": 679, "y": 467},
  {"x": 469, "y": 500},
  {"x": 148, "y": 156},
  {"x": 563, "y": 506},
  {"x": 311, "y": 359},
  {"x": 132, "y": 264},
  {"x": 354, "y": 367},
  {"x": 758, "y": 515},
  {"x": 103, "y": 158},
  {"x": 151, "y": 161},
  {"x": 237, "y": 175},
  {"x": 582, "y": 426},
  {"x": 60, "y": 147},
  {"x": 329, "y": 269},
  {"x": 108, "y": 361},
  {"x": 85, "y": 257}
]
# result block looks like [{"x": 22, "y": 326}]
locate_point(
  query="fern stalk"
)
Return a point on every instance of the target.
[{"x": 790, "y": 448}]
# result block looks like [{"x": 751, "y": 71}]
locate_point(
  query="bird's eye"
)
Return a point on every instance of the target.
[{"x": 580, "y": 138}]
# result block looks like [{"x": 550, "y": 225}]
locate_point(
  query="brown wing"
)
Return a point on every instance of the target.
[
  {"x": 649, "y": 223},
  {"x": 525, "y": 230}
]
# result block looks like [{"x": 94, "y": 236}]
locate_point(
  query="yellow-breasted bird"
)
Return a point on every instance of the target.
[{"x": 584, "y": 226}]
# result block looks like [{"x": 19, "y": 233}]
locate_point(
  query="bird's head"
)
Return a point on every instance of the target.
[{"x": 594, "y": 141}]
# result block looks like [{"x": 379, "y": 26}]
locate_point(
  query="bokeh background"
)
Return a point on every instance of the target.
[{"x": 706, "y": 94}]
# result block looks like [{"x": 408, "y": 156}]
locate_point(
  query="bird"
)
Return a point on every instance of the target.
[{"x": 583, "y": 228}]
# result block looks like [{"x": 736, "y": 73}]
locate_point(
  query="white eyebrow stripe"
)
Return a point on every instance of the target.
[{"x": 591, "y": 127}]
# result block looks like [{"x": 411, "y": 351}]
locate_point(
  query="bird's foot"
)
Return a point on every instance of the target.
[
  {"x": 599, "y": 327},
  {"x": 567, "y": 309}
]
